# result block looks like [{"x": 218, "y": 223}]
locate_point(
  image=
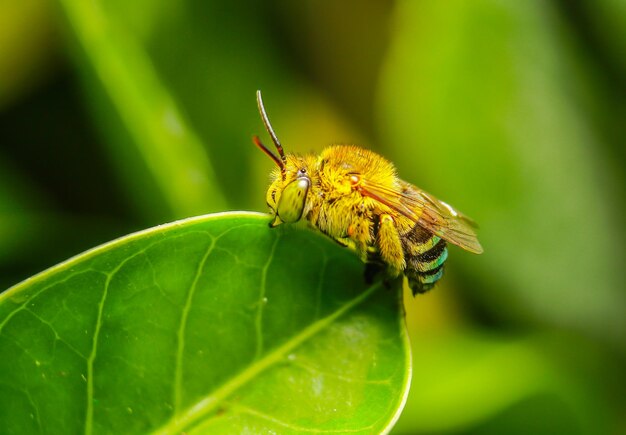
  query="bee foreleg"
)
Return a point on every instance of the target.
[
  {"x": 372, "y": 270},
  {"x": 390, "y": 245},
  {"x": 376, "y": 270},
  {"x": 343, "y": 241}
]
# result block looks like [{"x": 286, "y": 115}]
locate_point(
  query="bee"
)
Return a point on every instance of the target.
[{"x": 355, "y": 197}]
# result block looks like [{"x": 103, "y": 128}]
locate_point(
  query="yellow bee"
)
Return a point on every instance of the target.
[{"x": 355, "y": 197}]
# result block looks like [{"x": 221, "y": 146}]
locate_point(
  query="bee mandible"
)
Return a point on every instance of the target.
[{"x": 355, "y": 197}]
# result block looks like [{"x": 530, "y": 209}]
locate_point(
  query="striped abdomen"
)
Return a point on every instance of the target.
[{"x": 425, "y": 255}]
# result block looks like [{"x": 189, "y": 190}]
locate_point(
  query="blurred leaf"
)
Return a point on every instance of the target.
[
  {"x": 609, "y": 22},
  {"x": 599, "y": 36},
  {"x": 169, "y": 149},
  {"x": 475, "y": 104},
  {"x": 213, "y": 324},
  {"x": 56, "y": 197},
  {"x": 15, "y": 199},
  {"x": 28, "y": 46},
  {"x": 221, "y": 55},
  {"x": 464, "y": 380},
  {"x": 322, "y": 42}
]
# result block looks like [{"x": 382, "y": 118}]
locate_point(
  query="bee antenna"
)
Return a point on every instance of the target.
[
  {"x": 270, "y": 130},
  {"x": 270, "y": 154}
]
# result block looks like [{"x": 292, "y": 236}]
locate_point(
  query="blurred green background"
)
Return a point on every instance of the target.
[{"x": 116, "y": 116}]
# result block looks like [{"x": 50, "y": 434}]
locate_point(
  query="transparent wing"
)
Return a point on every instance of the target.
[{"x": 427, "y": 211}]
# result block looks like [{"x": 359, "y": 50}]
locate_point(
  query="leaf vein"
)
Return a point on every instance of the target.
[
  {"x": 299, "y": 429},
  {"x": 316, "y": 371},
  {"x": 94, "y": 345},
  {"x": 258, "y": 321},
  {"x": 56, "y": 334},
  {"x": 180, "y": 423},
  {"x": 35, "y": 295},
  {"x": 178, "y": 373}
]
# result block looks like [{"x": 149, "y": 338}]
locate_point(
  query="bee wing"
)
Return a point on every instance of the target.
[{"x": 427, "y": 211}]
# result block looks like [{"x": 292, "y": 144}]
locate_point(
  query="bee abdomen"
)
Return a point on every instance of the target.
[{"x": 425, "y": 269}]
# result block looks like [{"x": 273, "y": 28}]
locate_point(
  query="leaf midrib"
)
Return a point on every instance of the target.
[{"x": 178, "y": 424}]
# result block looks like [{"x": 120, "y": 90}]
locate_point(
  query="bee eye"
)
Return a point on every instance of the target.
[{"x": 293, "y": 199}]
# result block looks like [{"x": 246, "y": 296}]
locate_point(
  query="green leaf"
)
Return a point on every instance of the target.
[
  {"x": 213, "y": 324},
  {"x": 173, "y": 156}
]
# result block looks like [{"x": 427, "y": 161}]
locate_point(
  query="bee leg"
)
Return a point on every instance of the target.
[
  {"x": 376, "y": 270},
  {"x": 373, "y": 270},
  {"x": 393, "y": 282},
  {"x": 344, "y": 242},
  {"x": 390, "y": 245}
]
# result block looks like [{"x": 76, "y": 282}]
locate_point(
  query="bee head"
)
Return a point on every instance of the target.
[{"x": 287, "y": 194}]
